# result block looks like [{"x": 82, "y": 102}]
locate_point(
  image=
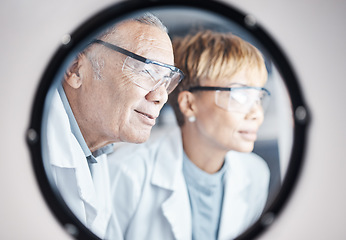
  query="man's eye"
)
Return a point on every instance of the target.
[
  {"x": 131, "y": 64},
  {"x": 144, "y": 71}
]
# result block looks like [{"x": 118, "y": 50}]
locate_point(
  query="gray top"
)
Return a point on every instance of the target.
[{"x": 206, "y": 197}]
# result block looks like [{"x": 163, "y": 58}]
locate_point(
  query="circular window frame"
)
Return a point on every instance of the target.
[{"x": 69, "y": 44}]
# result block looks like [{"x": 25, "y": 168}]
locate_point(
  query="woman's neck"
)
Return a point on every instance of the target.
[{"x": 202, "y": 153}]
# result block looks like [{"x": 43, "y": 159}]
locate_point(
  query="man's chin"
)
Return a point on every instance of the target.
[
  {"x": 140, "y": 140},
  {"x": 139, "y": 136}
]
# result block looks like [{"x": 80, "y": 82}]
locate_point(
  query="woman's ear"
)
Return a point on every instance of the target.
[
  {"x": 72, "y": 75},
  {"x": 186, "y": 101}
]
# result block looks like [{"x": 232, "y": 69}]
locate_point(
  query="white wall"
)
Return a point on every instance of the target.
[{"x": 312, "y": 34}]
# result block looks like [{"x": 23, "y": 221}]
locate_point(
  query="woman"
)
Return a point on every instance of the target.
[{"x": 200, "y": 181}]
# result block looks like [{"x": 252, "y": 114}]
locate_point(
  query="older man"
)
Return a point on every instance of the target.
[{"x": 112, "y": 92}]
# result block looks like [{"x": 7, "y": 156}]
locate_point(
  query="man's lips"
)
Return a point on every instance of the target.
[
  {"x": 146, "y": 114},
  {"x": 147, "y": 117}
]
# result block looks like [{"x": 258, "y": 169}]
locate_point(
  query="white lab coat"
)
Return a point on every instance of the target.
[
  {"x": 150, "y": 197},
  {"x": 88, "y": 197}
]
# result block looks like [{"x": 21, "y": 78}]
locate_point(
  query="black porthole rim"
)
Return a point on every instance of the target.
[{"x": 53, "y": 198}]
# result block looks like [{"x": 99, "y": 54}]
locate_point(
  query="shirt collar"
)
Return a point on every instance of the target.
[{"x": 90, "y": 156}]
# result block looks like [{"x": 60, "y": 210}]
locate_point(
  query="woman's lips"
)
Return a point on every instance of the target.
[{"x": 249, "y": 135}]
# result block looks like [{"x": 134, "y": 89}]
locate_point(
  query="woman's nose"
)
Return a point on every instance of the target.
[{"x": 255, "y": 112}]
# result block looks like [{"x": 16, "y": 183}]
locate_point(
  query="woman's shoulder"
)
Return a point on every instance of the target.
[{"x": 249, "y": 162}]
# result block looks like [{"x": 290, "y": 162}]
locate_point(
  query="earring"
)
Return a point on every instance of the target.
[{"x": 192, "y": 118}]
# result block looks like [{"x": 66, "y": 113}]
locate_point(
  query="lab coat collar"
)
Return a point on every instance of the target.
[
  {"x": 101, "y": 200},
  {"x": 233, "y": 211},
  {"x": 168, "y": 175},
  {"x": 177, "y": 211},
  {"x": 168, "y": 166},
  {"x": 65, "y": 152}
]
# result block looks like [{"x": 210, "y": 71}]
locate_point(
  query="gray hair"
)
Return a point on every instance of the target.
[
  {"x": 97, "y": 62},
  {"x": 150, "y": 19}
]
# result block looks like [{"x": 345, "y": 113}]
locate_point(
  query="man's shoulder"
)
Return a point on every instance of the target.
[
  {"x": 139, "y": 160},
  {"x": 144, "y": 153},
  {"x": 129, "y": 153},
  {"x": 131, "y": 160}
]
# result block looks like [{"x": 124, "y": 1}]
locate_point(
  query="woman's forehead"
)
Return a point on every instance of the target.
[{"x": 242, "y": 77}]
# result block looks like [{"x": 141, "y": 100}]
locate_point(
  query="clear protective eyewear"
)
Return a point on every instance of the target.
[
  {"x": 238, "y": 99},
  {"x": 151, "y": 74}
]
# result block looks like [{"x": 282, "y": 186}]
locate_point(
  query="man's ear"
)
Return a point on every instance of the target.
[
  {"x": 72, "y": 76},
  {"x": 186, "y": 101}
]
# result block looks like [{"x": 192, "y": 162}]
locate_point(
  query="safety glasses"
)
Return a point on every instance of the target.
[
  {"x": 150, "y": 74},
  {"x": 237, "y": 99}
]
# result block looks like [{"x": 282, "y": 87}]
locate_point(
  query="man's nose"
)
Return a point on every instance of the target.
[{"x": 158, "y": 96}]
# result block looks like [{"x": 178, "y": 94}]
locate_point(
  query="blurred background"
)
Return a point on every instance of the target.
[{"x": 312, "y": 35}]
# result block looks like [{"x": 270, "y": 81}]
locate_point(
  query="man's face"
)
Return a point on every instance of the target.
[{"x": 113, "y": 108}]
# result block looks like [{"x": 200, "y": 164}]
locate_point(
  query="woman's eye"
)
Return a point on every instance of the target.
[{"x": 239, "y": 97}]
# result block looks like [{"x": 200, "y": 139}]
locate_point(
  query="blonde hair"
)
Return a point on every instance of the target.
[{"x": 212, "y": 56}]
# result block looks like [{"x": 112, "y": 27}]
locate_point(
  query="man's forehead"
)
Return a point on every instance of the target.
[
  {"x": 146, "y": 40},
  {"x": 133, "y": 33}
]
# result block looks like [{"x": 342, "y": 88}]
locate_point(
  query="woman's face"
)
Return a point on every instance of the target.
[{"x": 226, "y": 130}]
